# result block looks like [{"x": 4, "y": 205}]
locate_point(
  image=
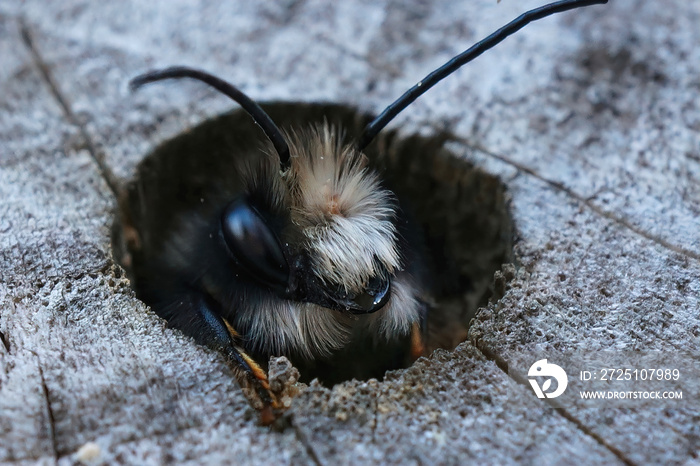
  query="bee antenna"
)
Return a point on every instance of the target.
[
  {"x": 375, "y": 126},
  {"x": 261, "y": 118}
]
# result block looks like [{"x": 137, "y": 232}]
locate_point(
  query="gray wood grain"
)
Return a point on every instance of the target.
[{"x": 591, "y": 118}]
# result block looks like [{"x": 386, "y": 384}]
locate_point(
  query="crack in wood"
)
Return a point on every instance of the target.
[
  {"x": 45, "y": 72},
  {"x": 502, "y": 364},
  {"x": 304, "y": 440},
  {"x": 49, "y": 411},
  {"x": 587, "y": 202},
  {"x": 5, "y": 342}
]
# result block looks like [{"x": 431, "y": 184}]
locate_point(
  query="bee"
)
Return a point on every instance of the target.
[{"x": 298, "y": 248}]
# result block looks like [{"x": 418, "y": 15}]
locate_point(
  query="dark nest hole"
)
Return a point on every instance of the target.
[{"x": 462, "y": 212}]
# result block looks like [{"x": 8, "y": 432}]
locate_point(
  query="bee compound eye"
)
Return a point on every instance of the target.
[{"x": 253, "y": 244}]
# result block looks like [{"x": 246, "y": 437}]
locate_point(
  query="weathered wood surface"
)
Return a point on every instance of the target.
[{"x": 591, "y": 118}]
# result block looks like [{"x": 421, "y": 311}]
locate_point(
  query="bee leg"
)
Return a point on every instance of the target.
[{"x": 195, "y": 316}]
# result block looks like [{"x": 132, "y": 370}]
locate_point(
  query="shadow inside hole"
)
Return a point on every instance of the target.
[{"x": 461, "y": 212}]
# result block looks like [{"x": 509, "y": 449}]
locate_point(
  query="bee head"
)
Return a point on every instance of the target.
[
  {"x": 318, "y": 239},
  {"x": 321, "y": 230},
  {"x": 345, "y": 218}
]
